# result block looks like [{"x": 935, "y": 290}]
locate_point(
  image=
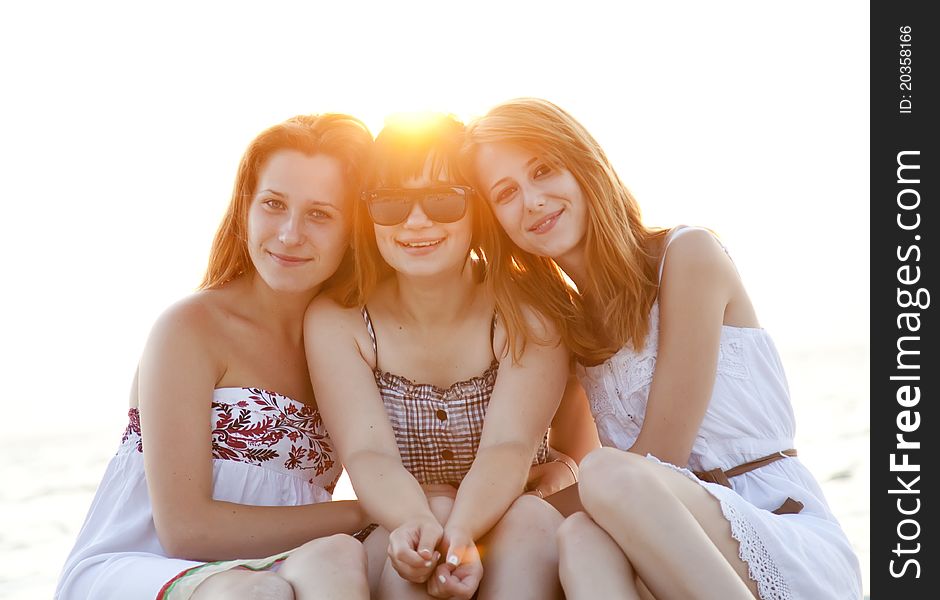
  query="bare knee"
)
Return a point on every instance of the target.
[
  {"x": 533, "y": 514},
  {"x": 599, "y": 462},
  {"x": 527, "y": 528},
  {"x": 270, "y": 586},
  {"x": 240, "y": 584},
  {"x": 573, "y": 533},
  {"x": 609, "y": 477},
  {"x": 341, "y": 551}
]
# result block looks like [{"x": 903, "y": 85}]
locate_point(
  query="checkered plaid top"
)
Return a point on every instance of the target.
[{"x": 438, "y": 430}]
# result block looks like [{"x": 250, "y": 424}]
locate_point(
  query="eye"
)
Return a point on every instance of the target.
[
  {"x": 541, "y": 170},
  {"x": 319, "y": 215},
  {"x": 273, "y": 203},
  {"x": 505, "y": 194}
]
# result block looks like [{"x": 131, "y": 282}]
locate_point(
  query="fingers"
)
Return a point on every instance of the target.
[
  {"x": 460, "y": 574},
  {"x": 441, "y": 582},
  {"x": 460, "y": 583},
  {"x": 463, "y": 589},
  {"x": 428, "y": 537},
  {"x": 457, "y": 550},
  {"x": 410, "y": 550}
]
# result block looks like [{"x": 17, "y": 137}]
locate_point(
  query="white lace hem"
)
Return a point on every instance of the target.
[{"x": 761, "y": 567}]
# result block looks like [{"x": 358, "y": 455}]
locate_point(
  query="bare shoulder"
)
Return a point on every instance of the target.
[
  {"x": 329, "y": 323},
  {"x": 697, "y": 255},
  {"x": 185, "y": 351},
  {"x": 540, "y": 331},
  {"x": 195, "y": 318},
  {"x": 541, "y": 326},
  {"x": 327, "y": 313}
]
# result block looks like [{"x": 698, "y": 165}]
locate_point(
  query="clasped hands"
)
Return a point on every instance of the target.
[{"x": 422, "y": 550}]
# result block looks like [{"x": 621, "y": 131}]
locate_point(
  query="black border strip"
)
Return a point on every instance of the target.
[{"x": 905, "y": 371}]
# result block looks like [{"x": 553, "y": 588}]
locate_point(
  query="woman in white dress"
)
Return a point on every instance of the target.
[
  {"x": 238, "y": 469},
  {"x": 698, "y": 492}
]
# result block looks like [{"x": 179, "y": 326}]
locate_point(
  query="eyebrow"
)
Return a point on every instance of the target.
[
  {"x": 315, "y": 202},
  {"x": 527, "y": 165}
]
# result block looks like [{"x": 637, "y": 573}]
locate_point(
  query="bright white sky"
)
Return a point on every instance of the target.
[{"x": 122, "y": 125}]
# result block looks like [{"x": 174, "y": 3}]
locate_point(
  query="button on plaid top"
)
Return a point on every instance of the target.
[{"x": 438, "y": 430}]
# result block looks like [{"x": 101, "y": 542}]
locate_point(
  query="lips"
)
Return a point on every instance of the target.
[
  {"x": 428, "y": 243},
  {"x": 545, "y": 224},
  {"x": 289, "y": 261}
]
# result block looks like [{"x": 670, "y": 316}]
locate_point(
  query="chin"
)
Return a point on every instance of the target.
[{"x": 426, "y": 270}]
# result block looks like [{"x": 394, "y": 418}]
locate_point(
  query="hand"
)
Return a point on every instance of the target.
[
  {"x": 411, "y": 548},
  {"x": 459, "y": 576}
]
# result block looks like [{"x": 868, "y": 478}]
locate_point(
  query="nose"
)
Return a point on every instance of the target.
[
  {"x": 534, "y": 200},
  {"x": 291, "y": 232},
  {"x": 417, "y": 219}
]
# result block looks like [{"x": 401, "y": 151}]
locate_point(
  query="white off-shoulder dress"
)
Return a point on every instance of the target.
[
  {"x": 268, "y": 450},
  {"x": 803, "y": 555}
]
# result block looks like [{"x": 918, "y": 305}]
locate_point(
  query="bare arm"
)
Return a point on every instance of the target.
[
  {"x": 698, "y": 282},
  {"x": 573, "y": 435},
  {"x": 573, "y": 430},
  {"x": 177, "y": 374},
  {"x": 525, "y": 397},
  {"x": 353, "y": 411}
]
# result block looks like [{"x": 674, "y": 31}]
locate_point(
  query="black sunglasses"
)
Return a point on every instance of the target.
[{"x": 442, "y": 204}]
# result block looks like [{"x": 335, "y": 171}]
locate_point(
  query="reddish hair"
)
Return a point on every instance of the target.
[
  {"x": 622, "y": 281},
  {"x": 340, "y": 136}
]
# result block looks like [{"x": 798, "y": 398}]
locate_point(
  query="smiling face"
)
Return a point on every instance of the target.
[
  {"x": 298, "y": 229},
  {"x": 422, "y": 247},
  {"x": 539, "y": 205}
]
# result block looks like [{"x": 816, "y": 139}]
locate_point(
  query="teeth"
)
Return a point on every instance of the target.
[
  {"x": 541, "y": 226},
  {"x": 420, "y": 244}
]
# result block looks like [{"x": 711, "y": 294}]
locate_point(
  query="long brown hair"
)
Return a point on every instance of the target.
[
  {"x": 622, "y": 282},
  {"x": 401, "y": 151},
  {"x": 340, "y": 136}
]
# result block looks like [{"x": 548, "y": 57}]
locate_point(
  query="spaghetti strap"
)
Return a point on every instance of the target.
[
  {"x": 493, "y": 334},
  {"x": 672, "y": 235},
  {"x": 368, "y": 320}
]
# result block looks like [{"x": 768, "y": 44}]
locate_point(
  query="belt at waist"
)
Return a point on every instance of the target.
[{"x": 722, "y": 477}]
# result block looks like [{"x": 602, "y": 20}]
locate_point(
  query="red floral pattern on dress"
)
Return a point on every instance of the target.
[
  {"x": 240, "y": 435},
  {"x": 133, "y": 428},
  {"x": 254, "y": 431}
]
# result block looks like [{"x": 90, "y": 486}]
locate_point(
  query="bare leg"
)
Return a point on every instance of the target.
[
  {"x": 243, "y": 584},
  {"x": 520, "y": 556},
  {"x": 591, "y": 564},
  {"x": 330, "y": 568},
  {"x": 672, "y": 531},
  {"x": 393, "y": 587},
  {"x": 376, "y": 547}
]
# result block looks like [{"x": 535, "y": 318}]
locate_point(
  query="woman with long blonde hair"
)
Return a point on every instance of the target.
[
  {"x": 225, "y": 465},
  {"x": 699, "y": 474}
]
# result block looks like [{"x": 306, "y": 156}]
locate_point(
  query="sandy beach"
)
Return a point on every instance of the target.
[{"x": 49, "y": 480}]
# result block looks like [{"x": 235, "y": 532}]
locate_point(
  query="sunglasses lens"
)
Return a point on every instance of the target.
[
  {"x": 443, "y": 205},
  {"x": 446, "y": 207},
  {"x": 389, "y": 209}
]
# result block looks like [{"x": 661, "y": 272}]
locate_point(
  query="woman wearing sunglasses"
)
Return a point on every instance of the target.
[
  {"x": 678, "y": 372},
  {"x": 439, "y": 389},
  {"x": 225, "y": 461}
]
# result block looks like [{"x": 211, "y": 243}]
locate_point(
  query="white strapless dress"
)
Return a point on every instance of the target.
[{"x": 268, "y": 450}]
